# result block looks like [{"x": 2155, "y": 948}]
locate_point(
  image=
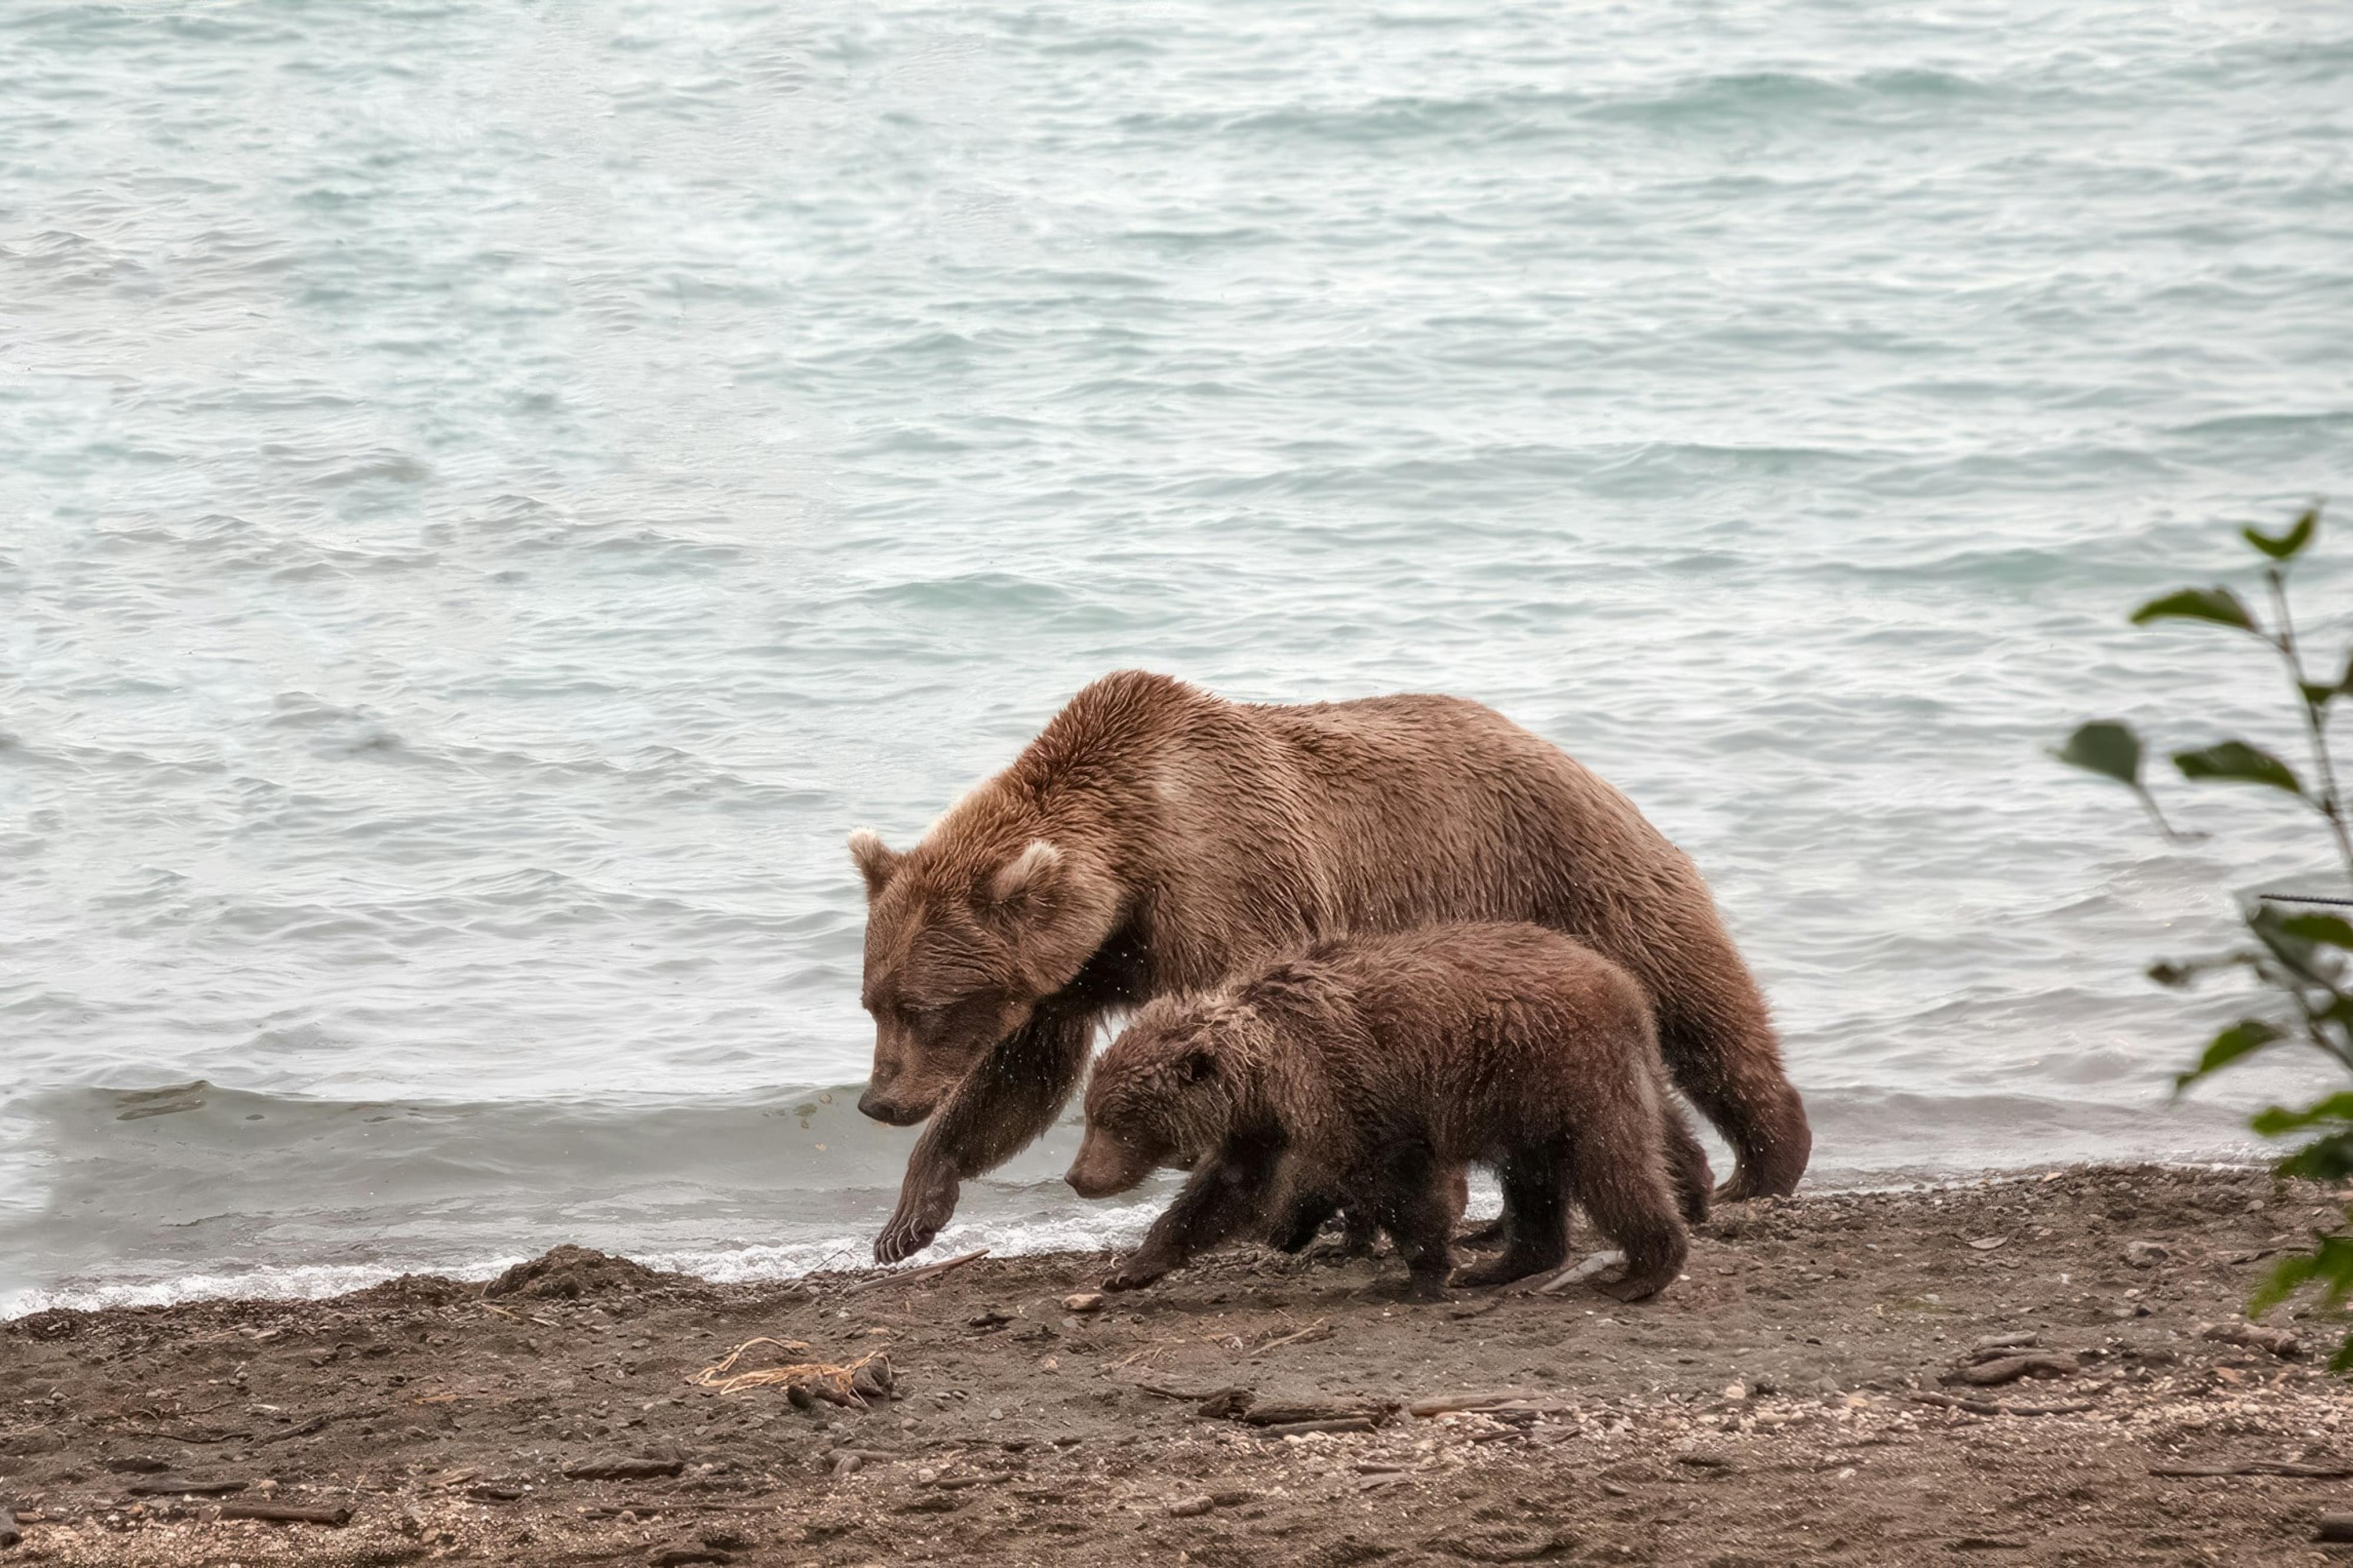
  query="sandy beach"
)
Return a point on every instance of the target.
[{"x": 2042, "y": 1368}]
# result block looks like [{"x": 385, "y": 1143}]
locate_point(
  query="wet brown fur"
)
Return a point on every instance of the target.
[
  {"x": 1156, "y": 839},
  {"x": 1363, "y": 1070}
]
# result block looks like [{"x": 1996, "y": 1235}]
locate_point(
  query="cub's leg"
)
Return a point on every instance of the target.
[
  {"x": 1417, "y": 1208},
  {"x": 1455, "y": 1186},
  {"x": 1225, "y": 1196},
  {"x": 1618, "y": 1174},
  {"x": 1536, "y": 1216},
  {"x": 1304, "y": 1221}
]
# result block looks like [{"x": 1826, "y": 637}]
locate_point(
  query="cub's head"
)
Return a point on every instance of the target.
[
  {"x": 963, "y": 940},
  {"x": 1163, "y": 1095}
]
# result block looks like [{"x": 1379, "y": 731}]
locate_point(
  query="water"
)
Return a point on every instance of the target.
[{"x": 490, "y": 495}]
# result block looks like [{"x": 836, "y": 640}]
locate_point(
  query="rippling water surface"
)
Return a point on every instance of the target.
[{"x": 489, "y": 495}]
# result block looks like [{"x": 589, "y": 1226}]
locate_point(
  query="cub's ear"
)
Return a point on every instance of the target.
[
  {"x": 1030, "y": 875},
  {"x": 877, "y": 861},
  {"x": 1198, "y": 1063}
]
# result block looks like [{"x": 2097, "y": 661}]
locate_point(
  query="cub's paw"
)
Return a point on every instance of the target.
[
  {"x": 1340, "y": 1249},
  {"x": 1425, "y": 1289},
  {"x": 1484, "y": 1276},
  {"x": 1489, "y": 1238},
  {"x": 1636, "y": 1286}
]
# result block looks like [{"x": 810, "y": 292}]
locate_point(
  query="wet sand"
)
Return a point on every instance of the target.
[{"x": 1805, "y": 1395}]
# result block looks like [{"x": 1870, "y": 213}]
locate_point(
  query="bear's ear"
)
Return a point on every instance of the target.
[
  {"x": 1027, "y": 876},
  {"x": 1198, "y": 1063},
  {"x": 877, "y": 861}
]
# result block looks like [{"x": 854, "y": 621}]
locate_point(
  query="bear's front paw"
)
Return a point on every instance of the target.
[
  {"x": 1135, "y": 1276},
  {"x": 901, "y": 1240},
  {"x": 922, "y": 1209}
]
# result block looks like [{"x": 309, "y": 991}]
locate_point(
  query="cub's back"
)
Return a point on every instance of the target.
[{"x": 1468, "y": 1033}]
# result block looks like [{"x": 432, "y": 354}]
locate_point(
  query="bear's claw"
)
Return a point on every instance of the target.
[{"x": 917, "y": 1222}]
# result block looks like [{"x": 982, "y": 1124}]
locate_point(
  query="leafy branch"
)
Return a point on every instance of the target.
[{"x": 2303, "y": 961}]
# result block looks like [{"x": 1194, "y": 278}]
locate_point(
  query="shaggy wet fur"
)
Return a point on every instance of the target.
[
  {"x": 1156, "y": 839},
  {"x": 1362, "y": 1071}
]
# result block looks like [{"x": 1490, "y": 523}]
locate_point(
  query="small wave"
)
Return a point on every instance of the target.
[{"x": 289, "y": 1282}]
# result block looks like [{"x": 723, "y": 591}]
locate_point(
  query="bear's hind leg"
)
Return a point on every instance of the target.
[
  {"x": 1535, "y": 1216},
  {"x": 1687, "y": 1163},
  {"x": 1722, "y": 1053}
]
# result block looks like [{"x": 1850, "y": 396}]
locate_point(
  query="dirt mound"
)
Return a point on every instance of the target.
[
  {"x": 570, "y": 1272},
  {"x": 58, "y": 1323}
]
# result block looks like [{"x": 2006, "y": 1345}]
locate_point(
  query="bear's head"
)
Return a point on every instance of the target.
[
  {"x": 1165, "y": 1094},
  {"x": 963, "y": 942}
]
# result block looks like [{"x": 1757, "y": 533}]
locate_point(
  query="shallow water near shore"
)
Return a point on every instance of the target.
[{"x": 493, "y": 497}]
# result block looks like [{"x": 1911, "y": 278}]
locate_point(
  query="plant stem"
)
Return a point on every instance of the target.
[{"x": 2331, "y": 803}]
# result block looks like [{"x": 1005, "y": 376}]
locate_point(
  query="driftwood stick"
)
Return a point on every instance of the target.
[
  {"x": 1579, "y": 1273},
  {"x": 286, "y": 1513},
  {"x": 1451, "y": 1403},
  {"x": 1299, "y": 1428},
  {"x": 1185, "y": 1395},
  {"x": 929, "y": 1271},
  {"x": 1988, "y": 1407},
  {"x": 2258, "y": 1468},
  {"x": 181, "y": 1485}
]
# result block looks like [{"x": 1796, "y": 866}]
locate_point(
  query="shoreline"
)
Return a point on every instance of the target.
[
  {"x": 1809, "y": 1391},
  {"x": 341, "y": 1279}
]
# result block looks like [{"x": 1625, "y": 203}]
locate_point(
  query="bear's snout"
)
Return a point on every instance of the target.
[
  {"x": 1090, "y": 1183},
  {"x": 1104, "y": 1168},
  {"x": 889, "y": 1111}
]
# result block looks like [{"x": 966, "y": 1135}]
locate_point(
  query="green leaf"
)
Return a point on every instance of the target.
[
  {"x": 2285, "y": 546},
  {"x": 2326, "y": 931},
  {"x": 2334, "y": 1259},
  {"x": 2217, "y": 604},
  {"x": 2328, "y": 1159},
  {"x": 2243, "y": 1038},
  {"x": 2236, "y": 760},
  {"x": 2288, "y": 1275},
  {"x": 2104, "y": 747},
  {"x": 2278, "y": 1121},
  {"x": 2343, "y": 1360},
  {"x": 2274, "y": 928}
]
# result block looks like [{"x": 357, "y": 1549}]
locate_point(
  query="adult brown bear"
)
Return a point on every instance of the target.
[{"x": 1156, "y": 838}]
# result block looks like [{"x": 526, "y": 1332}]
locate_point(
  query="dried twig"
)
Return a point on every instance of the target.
[
  {"x": 914, "y": 1276},
  {"x": 804, "y": 1382},
  {"x": 1320, "y": 1329}
]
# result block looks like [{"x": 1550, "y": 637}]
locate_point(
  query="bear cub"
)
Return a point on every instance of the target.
[{"x": 1360, "y": 1072}]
